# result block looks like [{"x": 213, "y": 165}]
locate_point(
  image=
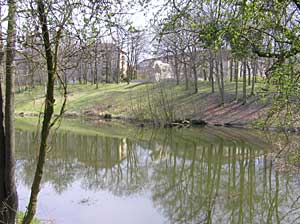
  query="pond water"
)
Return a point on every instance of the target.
[{"x": 98, "y": 173}]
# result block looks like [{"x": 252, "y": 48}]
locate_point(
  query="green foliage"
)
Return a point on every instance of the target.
[
  {"x": 268, "y": 30},
  {"x": 285, "y": 79},
  {"x": 20, "y": 216}
]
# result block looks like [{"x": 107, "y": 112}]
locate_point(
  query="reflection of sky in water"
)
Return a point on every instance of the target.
[
  {"x": 77, "y": 205},
  {"x": 164, "y": 181}
]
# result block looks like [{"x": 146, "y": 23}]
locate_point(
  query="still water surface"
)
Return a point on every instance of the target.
[{"x": 139, "y": 176}]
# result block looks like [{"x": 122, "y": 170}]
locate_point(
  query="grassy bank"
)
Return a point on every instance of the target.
[{"x": 159, "y": 101}]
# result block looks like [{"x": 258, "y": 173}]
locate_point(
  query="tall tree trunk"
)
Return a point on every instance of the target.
[
  {"x": 80, "y": 74},
  {"x": 249, "y": 73},
  {"x": 96, "y": 70},
  {"x": 3, "y": 195},
  {"x": 254, "y": 68},
  {"x": 95, "y": 66},
  {"x": 195, "y": 77},
  {"x": 218, "y": 79},
  {"x": 135, "y": 68},
  {"x": 92, "y": 74},
  {"x": 48, "y": 112},
  {"x": 222, "y": 78},
  {"x": 204, "y": 72},
  {"x": 185, "y": 74},
  {"x": 176, "y": 69},
  {"x": 118, "y": 66},
  {"x": 244, "y": 81},
  {"x": 2, "y": 157},
  {"x": 107, "y": 71},
  {"x": 85, "y": 73},
  {"x": 236, "y": 75},
  {"x": 65, "y": 75},
  {"x": 9, "y": 197},
  {"x": 231, "y": 69},
  {"x": 211, "y": 71}
]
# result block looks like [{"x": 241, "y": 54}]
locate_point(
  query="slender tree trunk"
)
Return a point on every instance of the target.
[
  {"x": 218, "y": 79},
  {"x": 10, "y": 113},
  {"x": 17, "y": 82},
  {"x": 3, "y": 196},
  {"x": 211, "y": 72},
  {"x": 48, "y": 112},
  {"x": 176, "y": 69},
  {"x": 106, "y": 72},
  {"x": 236, "y": 75},
  {"x": 8, "y": 197},
  {"x": 241, "y": 70},
  {"x": 92, "y": 74},
  {"x": 249, "y": 74},
  {"x": 117, "y": 73},
  {"x": 135, "y": 68},
  {"x": 79, "y": 78},
  {"x": 222, "y": 78},
  {"x": 65, "y": 80},
  {"x": 231, "y": 69},
  {"x": 32, "y": 68},
  {"x": 31, "y": 72},
  {"x": 185, "y": 75},
  {"x": 244, "y": 81},
  {"x": 254, "y": 66},
  {"x": 95, "y": 66},
  {"x": 195, "y": 77},
  {"x": 204, "y": 72},
  {"x": 85, "y": 75},
  {"x": 96, "y": 70}
]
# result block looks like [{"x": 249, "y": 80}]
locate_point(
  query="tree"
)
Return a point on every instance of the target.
[
  {"x": 54, "y": 21},
  {"x": 271, "y": 31},
  {"x": 135, "y": 42},
  {"x": 8, "y": 192},
  {"x": 51, "y": 59}
]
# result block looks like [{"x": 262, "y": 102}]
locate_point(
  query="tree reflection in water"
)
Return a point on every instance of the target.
[{"x": 191, "y": 180}]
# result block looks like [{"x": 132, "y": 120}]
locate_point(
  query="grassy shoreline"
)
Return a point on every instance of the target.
[{"x": 160, "y": 103}]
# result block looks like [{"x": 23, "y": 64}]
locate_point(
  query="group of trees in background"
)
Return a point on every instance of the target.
[
  {"x": 101, "y": 47},
  {"x": 247, "y": 37}
]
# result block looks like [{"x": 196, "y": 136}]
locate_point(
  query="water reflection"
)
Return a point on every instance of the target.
[{"x": 190, "y": 180}]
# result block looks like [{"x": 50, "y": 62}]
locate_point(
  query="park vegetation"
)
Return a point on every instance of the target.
[{"x": 219, "y": 43}]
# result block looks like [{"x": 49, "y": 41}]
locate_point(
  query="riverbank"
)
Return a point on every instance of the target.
[{"x": 158, "y": 103}]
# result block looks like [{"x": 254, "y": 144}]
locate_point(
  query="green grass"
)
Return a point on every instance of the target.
[
  {"x": 80, "y": 97},
  {"x": 126, "y": 100}
]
